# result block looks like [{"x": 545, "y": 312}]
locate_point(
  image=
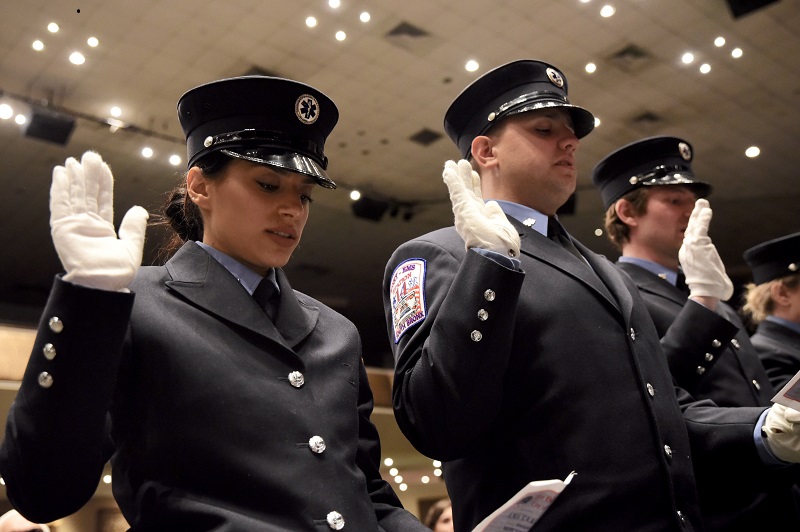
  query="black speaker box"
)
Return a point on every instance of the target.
[
  {"x": 739, "y": 8},
  {"x": 369, "y": 208},
  {"x": 50, "y": 126}
]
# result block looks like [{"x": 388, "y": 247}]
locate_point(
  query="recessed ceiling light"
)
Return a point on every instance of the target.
[
  {"x": 437, "y": 463},
  {"x": 334, "y": 3},
  {"x": 598, "y": 232},
  {"x": 591, "y": 68},
  {"x": 425, "y": 479},
  {"x": 52, "y": 27},
  {"x": 705, "y": 68},
  {"x": 311, "y": 22},
  {"x": 596, "y": 122},
  {"x": 174, "y": 160},
  {"x": 115, "y": 111},
  {"x": 6, "y": 111},
  {"x": 752, "y": 151},
  {"x": 38, "y": 45},
  {"x": 437, "y": 472},
  {"x": 340, "y": 35},
  {"x": 719, "y": 42},
  {"x": 92, "y": 41},
  {"x": 471, "y": 65},
  {"x": 585, "y": 1},
  {"x": 20, "y": 119},
  {"x": 147, "y": 152},
  {"x": 393, "y": 471},
  {"x": 607, "y": 11},
  {"x": 364, "y": 17},
  {"x": 737, "y": 53},
  {"x": 403, "y": 487},
  {"x": 107, "y": 479},
  {"x": 76, "y": 58},
  {"x": 687, "y": 58},
  {"x": 354, "y": 195},
  {"x": 388, "y": 462}
]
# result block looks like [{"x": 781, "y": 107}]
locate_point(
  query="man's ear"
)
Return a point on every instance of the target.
[
  {"x": 483, "y": 151},
  {"x": 197, "y": 187},
  {"x": 624, "y": 210}
]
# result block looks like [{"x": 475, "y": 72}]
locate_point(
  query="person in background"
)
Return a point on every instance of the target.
[
  {"x": 529, "y": 356},
  {"x": 773, "y": 303},
  {"x": 439, "y": 517},
  {"x": 653, "y": 199},
  {"x": 225, "y": 399}
]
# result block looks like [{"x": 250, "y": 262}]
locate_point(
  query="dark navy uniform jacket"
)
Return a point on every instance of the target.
[
  {"x": 196, "y": 394},
  {"x": 512, "y": 377},
  {"x": 733, "y": 377},
  {"x": 779, "y": 349}
]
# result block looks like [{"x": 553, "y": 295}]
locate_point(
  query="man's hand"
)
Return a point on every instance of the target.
[
  {"x": 481, "y": 225},
  {"x": 782, "y": 427},
  {"x": 705, "y": 273},
  {"x": 82, "y": 226}
]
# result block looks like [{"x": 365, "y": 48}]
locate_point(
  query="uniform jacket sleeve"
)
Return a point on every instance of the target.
[
  {"x": 448, "y": 389},
  {"x": 56, "y": 442},
  {"x": 778, "y": 348}
]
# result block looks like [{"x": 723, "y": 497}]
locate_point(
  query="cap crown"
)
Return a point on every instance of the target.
[{"x": 774, "y": 258}]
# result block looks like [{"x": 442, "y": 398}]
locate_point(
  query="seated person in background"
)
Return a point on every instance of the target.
[
  {"x": 440, "y": 516},
  {"x": 773, "y": 302}
]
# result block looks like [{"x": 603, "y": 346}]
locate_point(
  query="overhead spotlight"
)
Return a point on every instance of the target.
[
  {"x": 369, "y": 208},
  {"x": 340, "y": 35},
  {"x": 311, "y": 22},
  {"x": 93, "y": 42},
  {"x": 52, "y": 27},
  {"x": 38, "y": 45},
  {"x": 364, "y": 17}
]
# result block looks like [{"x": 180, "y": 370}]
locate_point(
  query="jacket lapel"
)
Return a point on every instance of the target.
[
  {"x": 538, "y": 246},
  {"x": 649, "y": 282},
  {"x": 199, "y": 278}
]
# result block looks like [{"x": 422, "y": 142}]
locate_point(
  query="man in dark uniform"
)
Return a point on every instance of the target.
[
  {"x": 658, "y": 217},
  {"x": 773, "y": 301},
  {"x": 530, "y": 356}
]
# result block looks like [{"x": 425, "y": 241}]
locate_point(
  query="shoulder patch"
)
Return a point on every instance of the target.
[{"x": 407, "y": 296}]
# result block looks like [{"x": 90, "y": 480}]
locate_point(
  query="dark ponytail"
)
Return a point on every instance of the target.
[{"x": 180, "y": 213}]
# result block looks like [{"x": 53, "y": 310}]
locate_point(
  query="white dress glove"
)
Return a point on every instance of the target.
[
  {"x": 82, "y": 226},
  {"x": 782, "y": 427},
  {"x": 481, "y": 225},
  {"x": 705, "y": 273}
]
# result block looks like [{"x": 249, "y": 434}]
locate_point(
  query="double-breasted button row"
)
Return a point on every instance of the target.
[
  {"x": 335, "y": 520},
  {"x": 317, "y": 444},
  {"x": 296, "y": 379},
  {"x": 735, "y": 343},
  {"x": 756, "y": 384}
]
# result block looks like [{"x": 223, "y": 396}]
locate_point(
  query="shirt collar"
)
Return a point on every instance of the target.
[
  {"x": 786, "y": 323},
  {"x": 247, "y": 277},
  {"x": 671, "y": 276},
  {"x": 525, "y": 215}
]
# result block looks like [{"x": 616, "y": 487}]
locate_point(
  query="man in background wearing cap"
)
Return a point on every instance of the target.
[
  {"x": 773, "y": 302},
  {"x": 225, "y": 399},
  {"x": 528, "y": 356},
  {"x": 654, "y": 217}
]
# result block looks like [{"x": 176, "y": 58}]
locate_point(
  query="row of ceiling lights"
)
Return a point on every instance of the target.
[{"x": 400, "y": 481}]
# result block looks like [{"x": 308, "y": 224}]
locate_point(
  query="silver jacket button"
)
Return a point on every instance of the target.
[
  {"x": 651, "y": 390},
  {"x": 633, "y": 334},
  {"x": 756, "y": 384},
  {"x": 45, "y": 379},
  {"x": 316, "y": 444},
  {"x": 476, "y": 336},
  {"x": 700, "y": 370},
  {"x": 296, "y": 379},
  {"x": 716, "y": 343},
  {"x": 709, "y": 357},
  {"x": 56, "y": 325},
  {"x": 735, "y": 343},
  {"x": 668, "y": 451},
  {"x": 489, "y": 295},
  {"x": 49, "y": 351},
  {"x": 483, "y": 315},
  {"x": 335, "y": 520}
]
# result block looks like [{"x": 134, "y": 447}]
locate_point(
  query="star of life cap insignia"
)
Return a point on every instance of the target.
[
  {"x": 556, "y": 77},
  {"x": 307, "y": 109},
  {"x": 686, "y": 151},
  {"x": 407, "y": 296}
]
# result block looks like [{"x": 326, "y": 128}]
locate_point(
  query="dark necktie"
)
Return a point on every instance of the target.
[
  {"x": 557, "y": 233},
  {"x": 680, "y": 283},
  {"x": 266, "y": 295}
]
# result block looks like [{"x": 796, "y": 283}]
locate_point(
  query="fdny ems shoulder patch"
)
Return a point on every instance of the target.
[{"x": 407, "y": 295}]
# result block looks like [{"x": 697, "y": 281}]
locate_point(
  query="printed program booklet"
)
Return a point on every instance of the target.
[
  {"x": 789, "y": 395},
  {"x": 521, "y": 511}
]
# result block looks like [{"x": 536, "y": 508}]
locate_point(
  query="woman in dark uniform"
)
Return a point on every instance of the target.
[{"x": 224, "y": 399}]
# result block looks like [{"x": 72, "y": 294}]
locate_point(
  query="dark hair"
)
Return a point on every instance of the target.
[
  {"x": 181, "y": 214},
  {"x": 435, "y": 512},
  {"x": 617, "y": 231}
]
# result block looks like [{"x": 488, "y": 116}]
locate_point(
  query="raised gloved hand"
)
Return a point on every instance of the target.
[
  {"x": 82, "y": 227},
  {"x": 705, "y": 273},
  {"x": 782, "y": 427},
  {"x": 481, "y": 225}
]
